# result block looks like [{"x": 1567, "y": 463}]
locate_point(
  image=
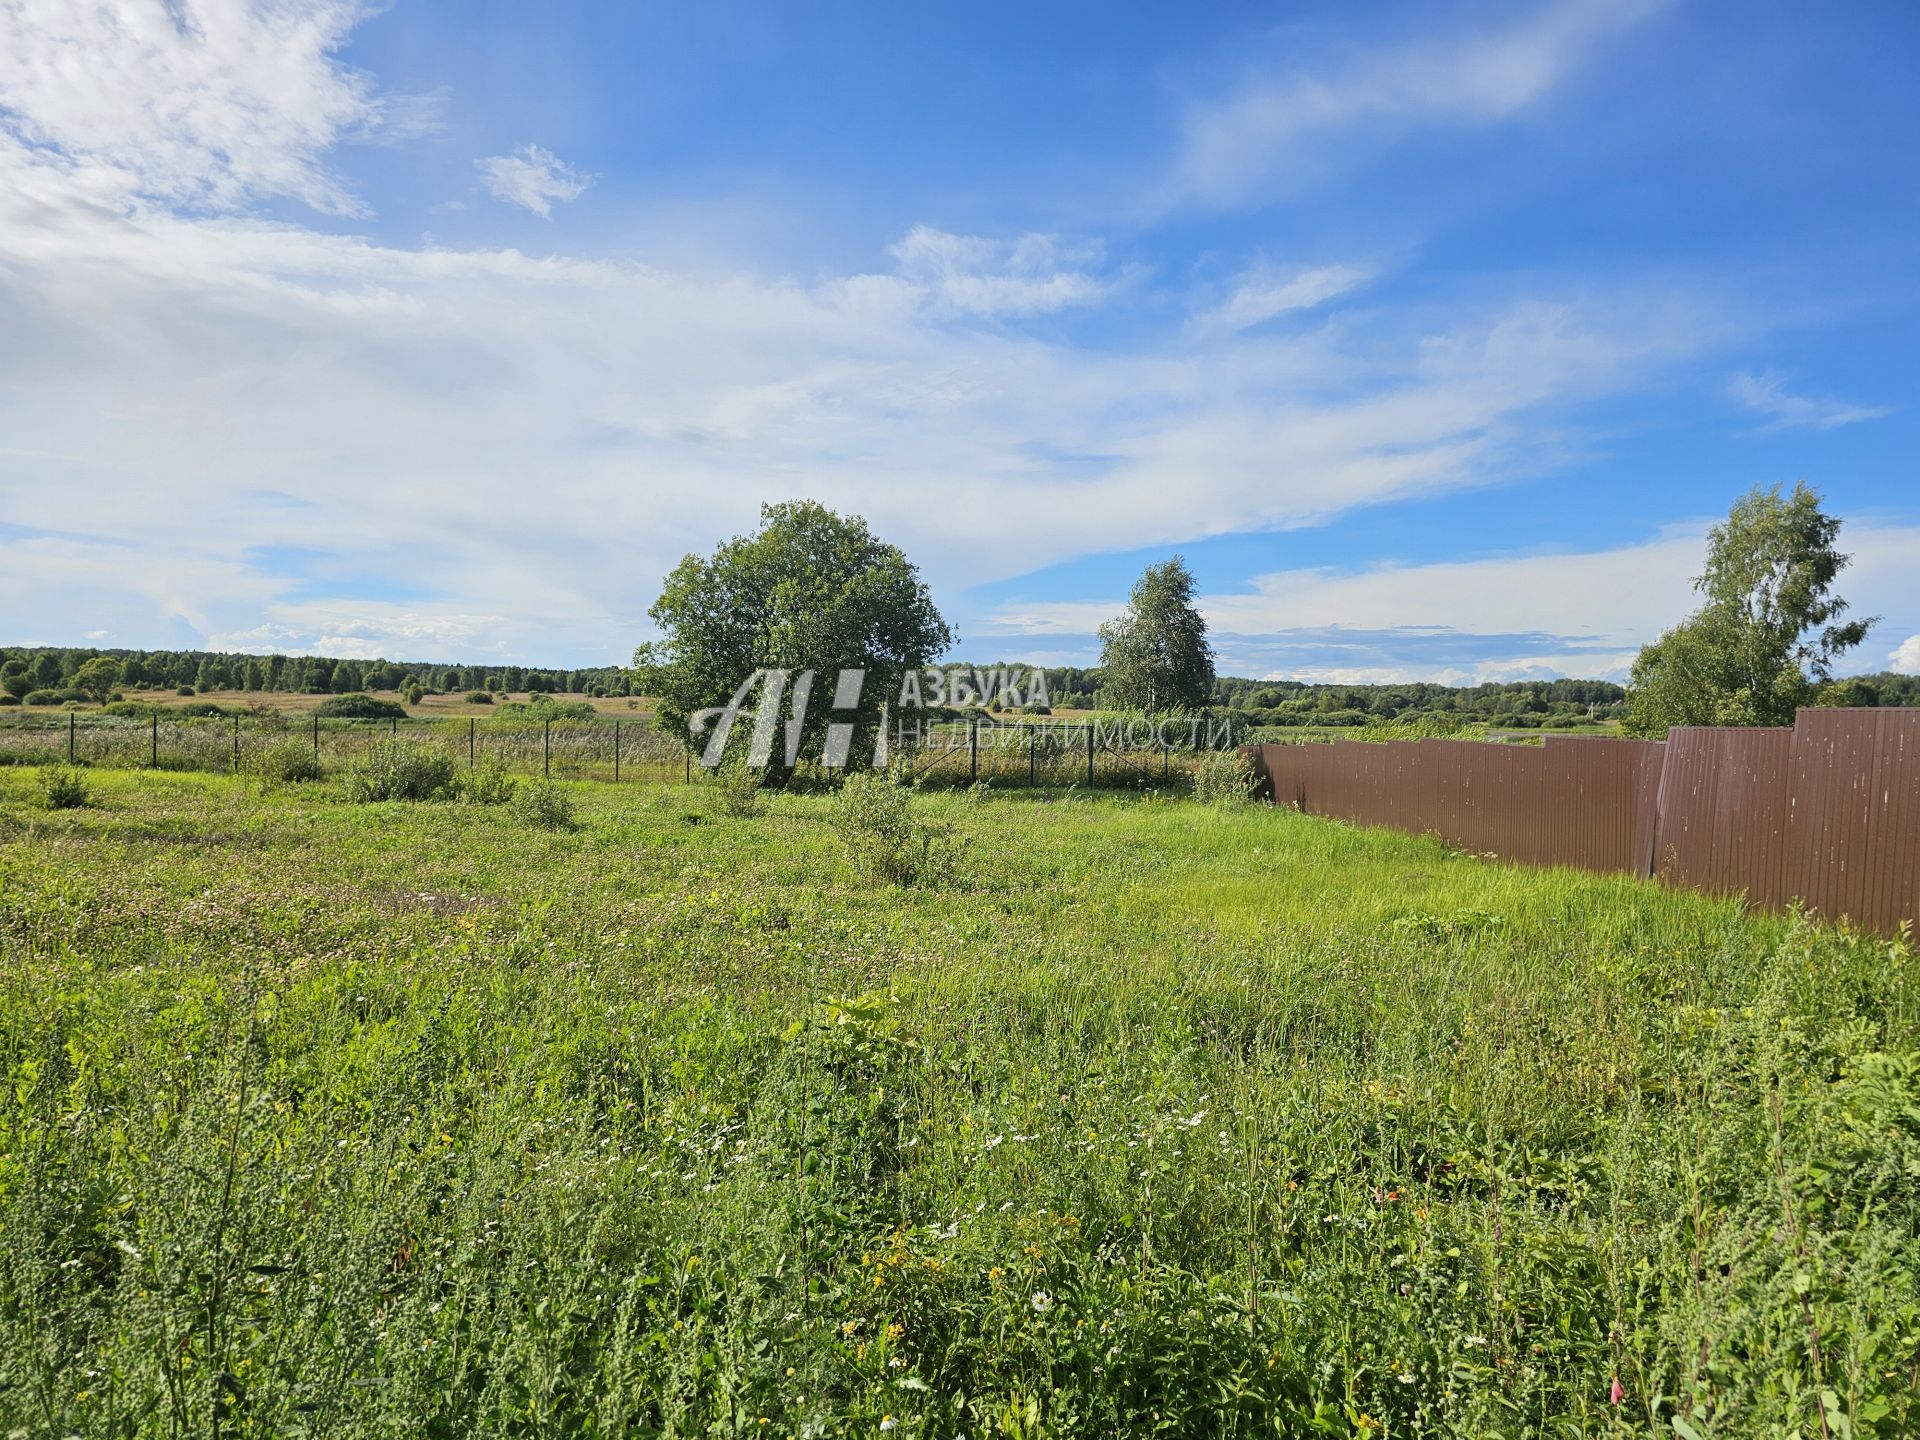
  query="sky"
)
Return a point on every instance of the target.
[{"x": 1433, "y": 337}]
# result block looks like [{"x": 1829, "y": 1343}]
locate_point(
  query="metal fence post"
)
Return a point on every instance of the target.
[
  {"x": 616, "y": 752},
  {"x": 1033, "y": 766},
  {"x": 688, "y": 752},
  {"x": 973, "y": 750},
  {"x": 470, "y": 725},
  {"x": 394, "y": 725},
  {"x": 316, "y": 736},
  {"x": 153, "y": 758},
  {"x": 1089, "y": 754},
  {"x": 546, "y": 756},
  {"x": 70, "y": 720},
  {"x": 236, "y": 744}
]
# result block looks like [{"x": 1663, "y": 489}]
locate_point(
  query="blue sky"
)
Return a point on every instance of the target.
[{"x": 1433, "y": 337}]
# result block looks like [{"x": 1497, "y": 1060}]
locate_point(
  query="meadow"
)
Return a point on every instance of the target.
[{"x": 404, "y": 1119}]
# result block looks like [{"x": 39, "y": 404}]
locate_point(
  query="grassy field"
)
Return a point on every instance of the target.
[{"x": 403, "y": 1120}]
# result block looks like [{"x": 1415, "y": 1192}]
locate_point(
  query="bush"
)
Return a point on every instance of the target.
[
  {"x": 479, "y": 697},
  {"x": 400, "y": 770},
  {"x": 415, "y": 694},
  {"x": 44, "y": 697},
  {"x": 875, "y": 821},
  {"x": 487, "y": 783},
  {"x": 1225, "y": 777},
  {"x": 738, "y": 786},
  {"x": 183, "y": 690},
  {"x": 199, "y": 707},
  {"x": 64, "y": 787},
  {"x": 359, "y": 707},
  {"x": 543, "y": 805},
  {"x": 287, "y": 762},
  {"x": 9, "y": 699}
]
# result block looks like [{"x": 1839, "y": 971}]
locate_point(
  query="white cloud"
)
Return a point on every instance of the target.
[
  {"x": 1259, "y": 294},
  {"x": 1274, "y": 130},
  {"x": 532, "y": 178},
  {"x": 1767, "y": 395},
  {"x": 206, "y": 104},
  {"x": 1566, "y": 613},
  {"x": 1906, "y": 656},
  {"x": 973, "y": 275},
  {"x": 185, "y": 392}
]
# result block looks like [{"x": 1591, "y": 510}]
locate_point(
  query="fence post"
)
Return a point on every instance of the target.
[
  {"x": 70, "y": 720},
  {"x": 1033, "y": 769},
  {"x": 1089, "y": 754},
  {"x": 973, "y": 750},
  {"x": 546, "y": 755},
  {"x": 316, "y": 736},
  {"x": 687, "y": 750},
  {"x": 470, "y": 725},
  {"x": 393, "y": 724},
  {"x": 153, "y": 758},
  {"x": 616, "y": 752},
  {"x": 236, "y": 744}
]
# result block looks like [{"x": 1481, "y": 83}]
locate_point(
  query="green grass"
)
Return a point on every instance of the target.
[{"x": 413, "y": 1120}]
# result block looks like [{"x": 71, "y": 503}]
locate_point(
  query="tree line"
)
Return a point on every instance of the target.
[{"x": 53, "y": 676}]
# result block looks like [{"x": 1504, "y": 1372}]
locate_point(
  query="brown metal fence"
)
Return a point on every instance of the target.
[{"x": 1826, "y": 813}]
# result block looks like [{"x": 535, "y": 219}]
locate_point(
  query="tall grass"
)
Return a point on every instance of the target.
[{"x": 1161, "y": 1118}]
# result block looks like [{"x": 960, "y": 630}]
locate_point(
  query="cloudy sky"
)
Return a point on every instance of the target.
[{"x": 1433, "y": 336}]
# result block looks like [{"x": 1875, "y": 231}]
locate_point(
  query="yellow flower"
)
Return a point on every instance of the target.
[
  {"x": 895, "y": 1331},
  {"x": 995, "y": 1273}
]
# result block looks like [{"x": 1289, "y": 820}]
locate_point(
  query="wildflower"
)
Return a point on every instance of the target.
[
  {"x": 1042, "y": 1301},
  {"x": 996, "y": 1272},
  {"x": 887, "y": 1422},
  {"x": 1406, "y": 1378},
  {"x": 896, "y": 1330},
  {"x": 1617, "y": 1394}
]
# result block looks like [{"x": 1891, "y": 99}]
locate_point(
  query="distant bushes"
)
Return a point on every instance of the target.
[
  {"x": 479, "y": 697},
  {"x": 359, "y": 707},
  {"x": 400, "y": 770}
]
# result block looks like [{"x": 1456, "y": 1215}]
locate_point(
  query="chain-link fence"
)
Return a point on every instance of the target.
[{"x": 1046, "y": 754}]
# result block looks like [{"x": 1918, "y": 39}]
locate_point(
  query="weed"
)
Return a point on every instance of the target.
[
  {"x": 287, "y": 762},
  {"x": 543, "y": 805},
  {"x": 64, "y": 787},
  {"x": 1225, "y": 778},
  {"x": 487, "y": 782},
  {"x": 400, "y": 770},
  {"x": 874, "y": 817}
]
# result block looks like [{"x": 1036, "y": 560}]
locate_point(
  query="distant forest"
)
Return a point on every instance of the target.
[{"x": 47, "y": 676}]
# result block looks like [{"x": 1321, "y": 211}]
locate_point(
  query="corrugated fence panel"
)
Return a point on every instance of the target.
[
  {"x": 1827, "y": 812},
  {"x": 1854, "y": 826},
  {"x": 1723, "y": 811}
]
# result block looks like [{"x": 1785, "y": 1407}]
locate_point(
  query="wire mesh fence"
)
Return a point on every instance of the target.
[{"x": 1043, "y": 754}]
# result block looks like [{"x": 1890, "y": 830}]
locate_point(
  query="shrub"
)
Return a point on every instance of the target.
[
  {"x": 64, "y": 787},
  {"x": 543, "y": 805},
  {"x": 183, "y": 690},
  {"x": 738, "y": 786},
  {"x": 44, "y": 697},
  {"x": 1225, "y": 777},
  {"x": 199, "y": 707},
  {"x": 875, "y": 821},
  {"x": 9, "y": 699},
  {"x": 415, "y": 694},
  {"x": 479, "y": 697},
  {"x": 487, "y": 783},
  {"x": 287, "y": 762},
  {"x": 400, "y": 770},
  {"x": 359, "y": 707}
]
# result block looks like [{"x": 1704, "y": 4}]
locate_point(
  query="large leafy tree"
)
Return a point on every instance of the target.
[
  {"x": 1764, "y": 640},
  {"x": 808, "y": 590},
  {"x": 1156, "y": 656}
]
